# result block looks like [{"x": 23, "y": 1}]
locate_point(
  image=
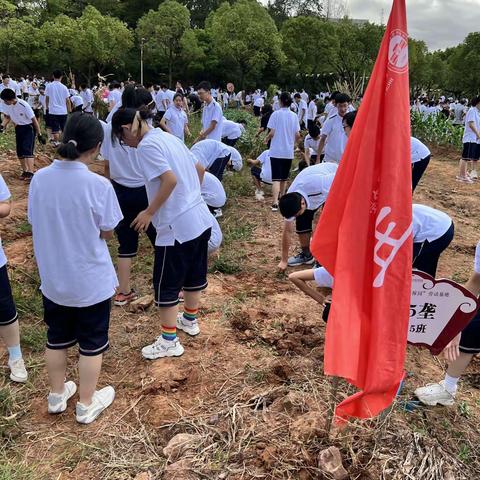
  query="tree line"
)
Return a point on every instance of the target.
[{"x": 290, "y": 43}]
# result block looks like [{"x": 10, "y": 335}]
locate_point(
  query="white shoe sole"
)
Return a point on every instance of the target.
[
  {"x": 183, "y": 328},
  {"x": 433, "y": 403},
  {"x": 14, "y": 378},
  {"x": 63, "y": 405},
  {"x": 169, "y": 353},
  {"x": 85, "y": 420}
]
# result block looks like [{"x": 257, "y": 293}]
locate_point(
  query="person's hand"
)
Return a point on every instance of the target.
[
  {"x": 282, "y": 266},
  {"x": 42, "y": 139},
  {"x": 452, "y": 351},
  {"x": 141, "y": 223},
  {"x": 201, "y": 135}
]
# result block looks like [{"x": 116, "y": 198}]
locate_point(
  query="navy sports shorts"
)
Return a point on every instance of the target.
[
  {"x": 87, "y": 326},
  {"x": 470, "y": 339},
  {"x": 57, "y": 122},
  {"x": 471, "y": 151},
  {"x": 280, "y": 168},
  {"x": 25, "y": 140},
  {"x": 8, "y": 312},
  {"x": 304, "y": 222}
]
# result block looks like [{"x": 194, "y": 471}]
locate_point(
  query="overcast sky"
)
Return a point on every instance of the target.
[{"x": 440, "y": 23}]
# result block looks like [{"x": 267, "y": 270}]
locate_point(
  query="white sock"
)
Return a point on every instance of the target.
[{"x": 451, "y": 384}]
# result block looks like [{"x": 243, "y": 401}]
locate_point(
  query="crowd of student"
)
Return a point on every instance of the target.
[{"x": 154, "y": 184}]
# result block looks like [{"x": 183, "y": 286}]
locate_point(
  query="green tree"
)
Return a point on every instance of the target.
[
  {"x": 245, "y": 35},
  {"x": 163, "y": 30}
]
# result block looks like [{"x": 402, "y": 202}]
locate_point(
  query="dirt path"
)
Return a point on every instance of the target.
[{"x": 251, "y": 384}]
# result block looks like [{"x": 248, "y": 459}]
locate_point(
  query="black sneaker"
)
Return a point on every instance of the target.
[{"x": 300, "y": 259}]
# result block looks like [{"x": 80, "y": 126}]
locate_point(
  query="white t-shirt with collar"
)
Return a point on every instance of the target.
[
  {"x": 312, "y": 110},
  {"x": 68, "y": 206},
  {"x": 314, "y": 183},
  {"x": 259, "y": 102},
  {"x": 419, "y": 150},
  {"x": 286, "y": 126},
  {"x": 428, "y": 223},
  {"x": 87, "y": 97},
  {"x": 213, "y": 112},
  {"x": 231, "y": 130},
  {"x": 184, "y": 216},
  {"x": 310, "y": 142},
  {"x": 21, "y": 113},
  {"x": 336, "y": 139},
  {"x": 4, "y": 196},
  {"x": 302, "y": 111},
  {"x": 212, "y": 191},
  {"x": 207, "y": 151},
  {"x": 57, "y": 94},
  {"x": 115, "y": 96},
  {"x": 473, "y": 115},
  {"x": 266, "y": 166},
  {"x": 176, "y": 120}
]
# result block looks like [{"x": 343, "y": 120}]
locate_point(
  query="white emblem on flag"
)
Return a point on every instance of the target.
[{"x": 398, "y": 52}]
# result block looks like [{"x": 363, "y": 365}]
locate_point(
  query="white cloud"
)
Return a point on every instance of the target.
[{"x": 440, "y": 23}]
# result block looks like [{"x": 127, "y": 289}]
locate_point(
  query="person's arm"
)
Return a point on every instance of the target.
[
  {"x": 106, "y": 169},
  {"x": 187, "y": 130},
  {"x": 69, "y": 105},
  {"x": 168, "y": 181},
  {"x": 472, "y": 126},
  {"x": 47, "y": 102},
  {"x": 300, "y": 279},
  {"x": 200, "y": 171},
  {"x": 36, "y": 126},
  {"x": 204, "y": 133},
  {"x": 298, "y": 138},
  {"x": 269, "y": 136},
  {"x": 321, "y": 145},
  {"x": 163, "y": 125},
  {"x": 286, "y": 241},
  {"x": 5, "y": 208},
  {"x": 6, "y": 120},
  {"x": 473, "y": 284},
  {"x": 253, "y": 162},
  {"x": 259, "y": 131},
  {"x": 106, "y": 234}
]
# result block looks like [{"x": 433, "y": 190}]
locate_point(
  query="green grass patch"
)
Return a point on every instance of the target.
[
  {"x": 7, "y": 141},
  {"x": 25, "y": 288},
  {"x": 34, "y": 337}
]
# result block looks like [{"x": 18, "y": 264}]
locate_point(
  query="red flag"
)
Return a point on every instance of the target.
[{"x": 364, "y": 236}]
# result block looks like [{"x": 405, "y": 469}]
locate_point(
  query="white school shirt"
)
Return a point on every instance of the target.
[
  {"x": 4, "y": 196},
  {"x": 168, "y": 98},
  {"x": 20, "y": 114},
  {"x": 322, "y": 277},
  {"x": 312, "y": 110},
  {"x": 115, "y": 96},
  {"x": 159, "y": 100},
  {"x": 476, "y": 265},
  {"x": 176, "y": 121},
  {"x": 336, "y": 139},
  {"x": 286, "y": 126},
  {"x": 259, "y": 102},
  {"x": 216, "y": 237},
  {"x": 212, "y": 191},
  {"x": 184, "y": 216},
  {"x": 235, "y": 158},
  {"x": 12, "y": 86},
  {"x": 473, "y": 115},
  {"x": 57, "y": 94},
  {"x": 304, "y": 96},
  {"x": 266, "y": 166},
  {"x": 113, "y": 110},
  {"x": 419, "y": 150},
  {"x": 231, "y": 130},
  {"x": 122, "y": 160},
  {"x": 310, "y": 142},
  {"x": 77, "y": 101},
  {"x": 313, "y": 184},
  {"x": 302, "y": 111},
  {"x": 329, "y": 107},
  {"x": 428, "y": 223},
  {"x": 68, "y": 206},
  {"x": 458, "y": 112},
  {"x": 87, "y": 97},
  {"x": 43, "y": 102},
  {"x": 213, "y": 112},
  {"x": 207, "y": 151}
]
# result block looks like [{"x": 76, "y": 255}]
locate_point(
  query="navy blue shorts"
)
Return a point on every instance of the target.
[
  {"x": 470, "y": 339},
  {"x": 280, "y": 168},
  {"x": 304, "y": 222},
  {"x": 218, "y": 166},
  {"x": 87, "y": 326},
  {"x": 183, "y": 265},
  {"x": 230, "y": 141},
  {"x": 57, "y": 122},
  {"x": 8, "y": 312},
  {"x": 256, "y": 171},
  {"x": 471, "y": 151},
  {"x": 25, "y": 140},
  {"x": 132, "y": 201}
]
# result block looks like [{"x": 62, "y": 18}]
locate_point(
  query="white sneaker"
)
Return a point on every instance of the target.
[
  {"x": 259, "y": 195},
  {"x": 191, "y": 328},
  {"x": 101, "y": 400},
  {"x": 466, "y": 179},
  {"x": 57, "y": 403},
  {"x": 163, "y": 348},
  {"x": 18, "y": 373},
  {"x": 218, "y": 213},
  {"x": 473, "y": 175},
  {"x": 435, "y": 393}
]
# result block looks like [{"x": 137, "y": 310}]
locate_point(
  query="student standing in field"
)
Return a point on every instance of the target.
[
  {"x": 310, "y": 144},
  {"x": 471, "y": 140},
  {"x": 9, "y": 328},
  {"x": 20, "y": 113},
  {"x": 182, "y": 221},
  {"x": 57, "y": 105},
  {"x": 212, "y": 115},
  {"x": 302, "y": 110},
  {"x": 311, "y": 113},
  {"x": 87, "y": 97},
  {"x": 175, "y": 120},
  {"x": 284, "y": 134},
  {"x": 33, "y": 98},
  {"x": 73, "y": 211}
]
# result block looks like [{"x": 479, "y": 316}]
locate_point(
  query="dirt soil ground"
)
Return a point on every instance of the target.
[{"x": 251, "y": 385}]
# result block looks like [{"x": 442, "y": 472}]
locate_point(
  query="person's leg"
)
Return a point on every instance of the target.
[
  {"x": 29, "y": 164},
  {"x": 88, "y": 371},
  {"x": 23, "y": 164},
  {"x": 418, "y": 169},
  {"x": 304, "y": 239},
  {"x": 56, "y": 362},
  {"x": 11, "y": 337},
  {"x": 283, "y": 188},
  {"x": 124, "y": 268},
  {"x": 473, "y": 169},
  {"x": 275, "y": 192}
]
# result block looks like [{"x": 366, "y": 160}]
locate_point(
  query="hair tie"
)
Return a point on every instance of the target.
[{"x": 74, "y": 142}]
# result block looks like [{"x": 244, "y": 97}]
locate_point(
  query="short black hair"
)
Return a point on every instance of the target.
[
  {"x": 333, "y": 96},
  {"x": 163, "y": 85},
  {"x": 297, "y": 95},
  {"x": 349, "y": 118},
  {"x": 124, "y": 116},
  {"x": 342, "y": 98},
  {"x": 83, "y": 86},
  {"x": 57, "y": 74},
  {"x": 82, "y": 133},
  {"x": 7, "y": 94},
  {"x": 178, "y": 94},
  {"x": 475, "y": 101},
  {"x": 290, "y": 204},
  {"x": 314, "y": 131},
  {"x": 135, "y": 97},
  {"x": 5, "y": 76},
  {"x": 285, "y": 99},
  {"x": 204, "y": 86}
]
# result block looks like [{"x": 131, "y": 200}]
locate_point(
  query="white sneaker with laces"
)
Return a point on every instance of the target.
[
  {"x": 101, "y": 400},
  {"x": 191, "y": 328},
  {"x": 57, "y": 403},
  {"x": 163, "y": 348},
  {"x": 435, "y": 393},
  {"x": 18, "y": 373}
]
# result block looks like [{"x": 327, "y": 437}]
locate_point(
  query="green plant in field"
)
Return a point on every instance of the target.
[
  {"x": 7, "y": 140},
  {"x": 249, "y": 145},
  {"x": 34, "y": 337},
  {"x": 436, "y": 129},
  {"x": 25, "y": 288}
]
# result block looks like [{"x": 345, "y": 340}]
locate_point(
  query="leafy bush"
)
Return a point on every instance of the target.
[
  {"x": 249, "y": 145},
  {"x": 436, "y": 129}
]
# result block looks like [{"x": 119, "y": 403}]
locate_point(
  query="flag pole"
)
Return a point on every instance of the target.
[{"x": 333, "y": 402}]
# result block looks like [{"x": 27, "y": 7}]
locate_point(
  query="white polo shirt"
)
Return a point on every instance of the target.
[
  {"x": 77, "y": 101},
  {"x": 266, "y": 166},
  {"x": 231, "y": 130},
  {"x": 122, "y": 160},
  {"x": 302, "y": 111},
  {"x": 87, "y": 97},
  {"x": 212, "y": 191},
  {"x": 207, "y": 151},
  {"x": 68, "y": 206},
  {"x": 20, "y": 114},
  {"x": 473, "y": 115},
  {"x": 12, "y": 86},
  {"x": 336, "y": 139},
  {"x": 57, "y": 94},
  {"x": 213, "y": 112},
  {"x": 159, "y": 100},
  {"x": 419, "y": 150},
  {"x": 313, "y": 184},
  {"x": 310, "y": 142},
  {"x": 322, "y": 277},
  {"x": 4, "y": 196},
  {"x": 176, "y": 120},
  {"x": 429, "y": 223},
  {"x": 259, "y": 102},
  {"x": 312, "y": 110},
  {"x": 286, "y": 126},
  {"x": 184, "y": 216},
  {"x": 115, "y": 96}
]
